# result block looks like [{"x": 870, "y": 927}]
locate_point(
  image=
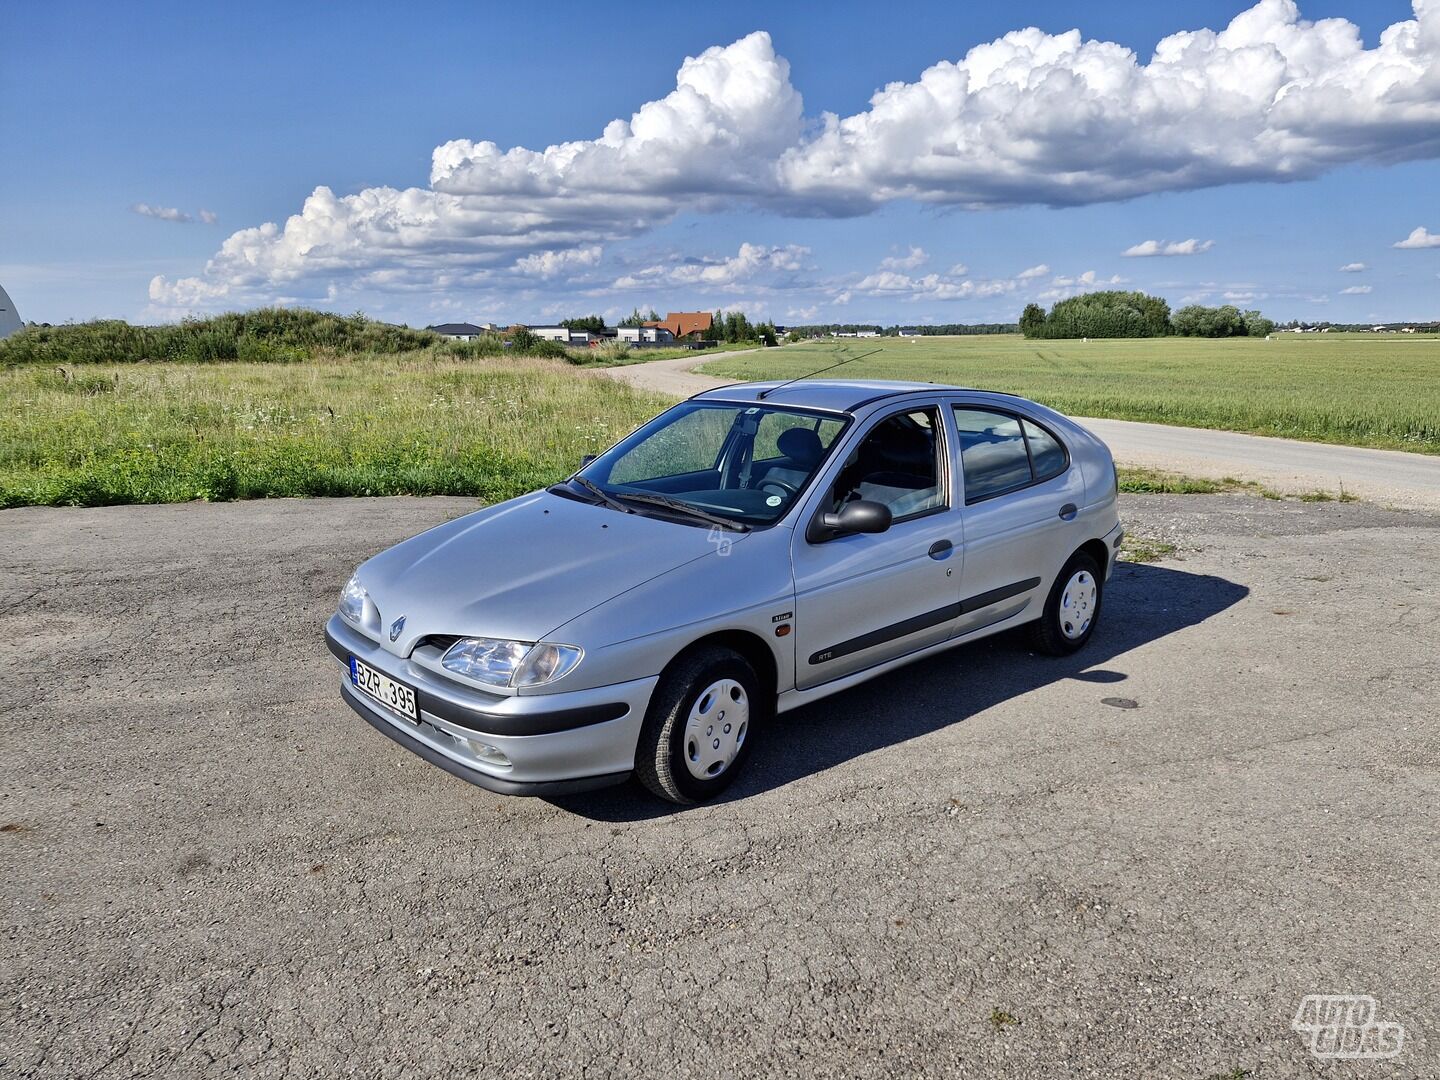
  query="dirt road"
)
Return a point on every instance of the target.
[{"x": 1389, "y": 477}]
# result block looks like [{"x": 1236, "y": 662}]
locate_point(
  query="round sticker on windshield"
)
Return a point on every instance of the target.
[{"x": 774, "y": 500}]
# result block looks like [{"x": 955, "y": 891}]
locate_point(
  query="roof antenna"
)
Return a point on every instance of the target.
[{"x": 766, "y": 393}]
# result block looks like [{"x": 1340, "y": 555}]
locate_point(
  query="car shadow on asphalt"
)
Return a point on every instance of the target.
[{"x": 1143, "y": 604}]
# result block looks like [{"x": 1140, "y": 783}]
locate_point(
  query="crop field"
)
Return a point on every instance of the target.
[
  {"x": 414, "y": 423},
  {"x": 1357, "y": 389}
]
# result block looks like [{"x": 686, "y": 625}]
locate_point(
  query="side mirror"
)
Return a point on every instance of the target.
[
  {"x": 862, "y": 516},
  {"x": 586, "y": 459}
]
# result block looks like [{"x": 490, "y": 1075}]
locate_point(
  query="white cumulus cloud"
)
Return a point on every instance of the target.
[
  {"x": 547, "y": 264},
  {"x": 1420, "y": 237},
  {"x": 1033, "y": 272},
  {"x": 1356, "y": 290},
  {"x": 916, "y": 257},
  {"x": 890, "y": 284},
  {"x": 161, "y": 213},
  {"x": 1028, "y": 118},
  {"x": 737, "y": 271},
  {"x": 1161, "y": 247},
  {"x": 1353, "y": 268}
]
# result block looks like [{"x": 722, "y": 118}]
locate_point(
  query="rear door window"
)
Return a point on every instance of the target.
[{"x": 1000, "y": 452}]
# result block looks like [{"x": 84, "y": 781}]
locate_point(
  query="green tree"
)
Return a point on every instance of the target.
[
  {"x": 1032, "y": 319},
  {"x": 593, "y": 323},
  {"x": 637, "y": 318},
  {"x": 1107, "y": 314}
]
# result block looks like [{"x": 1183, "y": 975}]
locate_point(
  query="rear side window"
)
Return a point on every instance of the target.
[
  {"x": 1047, "y": 457},
  {"x": 1000, "y": 452}
]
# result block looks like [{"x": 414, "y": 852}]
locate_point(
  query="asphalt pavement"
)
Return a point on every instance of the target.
[{"x": 971, "y": 867}]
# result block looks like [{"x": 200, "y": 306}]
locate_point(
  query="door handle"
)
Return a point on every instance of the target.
[
  {"x": 941, "y": 549},
  {"x": 1068, "y": 511}
]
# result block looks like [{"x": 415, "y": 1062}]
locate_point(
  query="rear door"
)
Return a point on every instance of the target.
[
  {"x": 1019, "y": 492},
  {"x": 863, "y": 599}
]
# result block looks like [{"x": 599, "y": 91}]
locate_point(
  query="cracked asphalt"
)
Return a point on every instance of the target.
[{"x": 971, "y": 867}]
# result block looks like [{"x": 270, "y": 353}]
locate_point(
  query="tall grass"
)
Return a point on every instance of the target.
[
  {"x": 1362, "y": 390},
  {"x": 265, "y": 335},
  {"x": 421, "y": 423},
  {"x": 283, "y": 335}
]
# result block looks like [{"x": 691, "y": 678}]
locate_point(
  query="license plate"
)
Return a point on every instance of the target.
[{"x": 393, "y": 695}]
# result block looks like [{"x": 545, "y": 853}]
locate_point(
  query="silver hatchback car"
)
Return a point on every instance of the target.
[{"x": 751, "y": 550}]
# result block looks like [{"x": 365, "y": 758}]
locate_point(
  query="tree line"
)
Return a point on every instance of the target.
[{"x": 1116, "y": 313}]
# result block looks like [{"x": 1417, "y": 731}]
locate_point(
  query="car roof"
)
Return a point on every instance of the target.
[{"x": 833, "y": 395}]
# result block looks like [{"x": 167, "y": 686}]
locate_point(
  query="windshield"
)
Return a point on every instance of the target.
[{"x": 745, "y": 464}]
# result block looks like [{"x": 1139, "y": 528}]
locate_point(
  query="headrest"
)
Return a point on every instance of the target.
[{"x": 800, "y": 445}]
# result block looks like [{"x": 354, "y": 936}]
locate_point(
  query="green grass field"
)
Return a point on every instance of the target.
[
  {"x": 421, "y": 423},
  {"x": 1359, "y": 389},
  {"x": 431, "y": 421}
]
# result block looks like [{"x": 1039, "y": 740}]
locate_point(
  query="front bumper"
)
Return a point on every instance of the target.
[{"x": 555, "y": 743}]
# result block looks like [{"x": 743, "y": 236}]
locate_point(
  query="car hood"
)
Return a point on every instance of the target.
[{"x": 522, "y": 568}]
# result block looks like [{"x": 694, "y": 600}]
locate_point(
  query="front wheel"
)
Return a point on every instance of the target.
[
  {"x": 700, "y": 726},
  {"x": 1071, "y": 610}
]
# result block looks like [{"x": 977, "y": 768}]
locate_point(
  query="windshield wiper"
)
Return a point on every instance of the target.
[
  {"x": 601, "y": 494},
  {"x": 681, "y": 507}
]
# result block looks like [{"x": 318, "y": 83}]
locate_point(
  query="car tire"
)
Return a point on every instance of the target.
[
  {"x": 1072, "y": 610},
  {"x": 700, "y": 726}
]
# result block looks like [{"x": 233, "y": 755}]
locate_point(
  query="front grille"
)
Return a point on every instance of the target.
[{"x": 441, "y": 642}]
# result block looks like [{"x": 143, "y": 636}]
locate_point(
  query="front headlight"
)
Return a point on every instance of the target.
[
  {"x": 510, "y": 663},
  {"x": 352, "y": 601}
]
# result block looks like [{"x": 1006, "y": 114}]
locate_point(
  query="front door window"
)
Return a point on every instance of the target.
[{"x": 897, "y": 464}]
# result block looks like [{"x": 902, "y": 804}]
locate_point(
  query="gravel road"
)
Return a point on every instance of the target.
[
  {"x": 972, "y": 867},
  {"x": 1389, "y": 477}
]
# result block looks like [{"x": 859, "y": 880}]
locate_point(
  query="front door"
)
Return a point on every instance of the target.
[{"x": 863, "y": 599}]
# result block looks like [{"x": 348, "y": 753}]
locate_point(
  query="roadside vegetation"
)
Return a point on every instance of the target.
[
  {"x": 1359, "y": 389},
  {"x": 292, "y": 336},
  {"x": 294, "y": 403},
  {"x": 425, "y": 422}
]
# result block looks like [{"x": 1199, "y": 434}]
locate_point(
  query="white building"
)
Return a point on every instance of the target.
[
  {"x": 9, "y": 319},
  {"x": 643, "y": 335}
]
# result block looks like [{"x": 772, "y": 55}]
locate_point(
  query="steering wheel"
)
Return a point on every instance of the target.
[{"x": 786, "y": 489}]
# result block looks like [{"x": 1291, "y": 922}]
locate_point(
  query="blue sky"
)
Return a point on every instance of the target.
[{"x": 147, "y": 145}]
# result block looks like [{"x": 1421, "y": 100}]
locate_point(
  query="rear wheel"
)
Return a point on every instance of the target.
[
  {"x": 700, "y": 726},
  {"x": 1072, "y": 608}
]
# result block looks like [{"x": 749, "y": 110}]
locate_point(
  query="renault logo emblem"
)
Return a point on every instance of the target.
[{"x": 397, "y": 627}]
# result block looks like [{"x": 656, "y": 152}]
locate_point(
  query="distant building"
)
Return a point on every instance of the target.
[
  {"x": 644, "y": 335},
  {"x": 564, "y": 335},
  {"x": 459, "y": 331},
  {"x": 909, "y": 331},
  {"x": 867, "y": 333},
  {"x": 686, "y": 325},
  {"x": 9, "y": 319}
]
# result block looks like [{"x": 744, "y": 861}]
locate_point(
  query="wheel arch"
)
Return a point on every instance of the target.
[
  {"x": 1097, "y": 550},
  {"x": 755, "y": 649}
]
